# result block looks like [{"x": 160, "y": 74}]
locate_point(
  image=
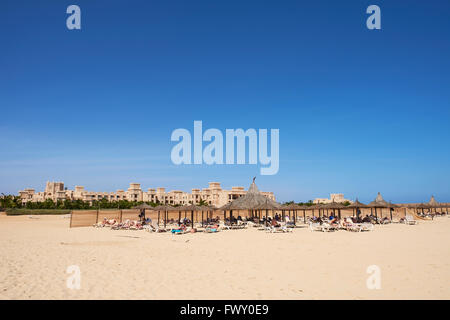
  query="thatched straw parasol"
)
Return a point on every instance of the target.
[
  {"x": 433, "y": 203},
  {"x": 446, "y": 206},
  {"x": 142, "y": 207},
  {"x": 208, "y": 209},
  {"x": 268, "y": 205},
  {"x": 164, "y": 208},
  {"x": 355, "y": 206},
  {"x": 192, "y": 208},
  {"x": 380, "y": 203},
  {"x": 420, "y": 207},
  {"x": 291, "y": 206},
  {"x": 250, "y": 201},
  {"x": 333, "y": 206},
  {"x": 304, "y": 208},
  {"x": 294, "y": 207},
  {"x": 320, "y": 207}
]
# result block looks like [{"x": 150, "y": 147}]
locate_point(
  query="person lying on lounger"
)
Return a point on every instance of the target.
[
  {"x": 275, "y": 223},
  {"x": 180, "y": 229},
  {"x": 385, "y": 220}
]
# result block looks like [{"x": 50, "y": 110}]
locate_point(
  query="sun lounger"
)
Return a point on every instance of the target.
[
  {"x": 211, "y": 229},
  {"x": 410, "y": 220},
  {"x": 314, "y": 226},
  {"x": 366, "y": 226},
  {"x": 327, "y": 227},
  {"x": 179, "y": 231},
  {"x": 282, "y": 229},
  {"x": 224, "y": 226},
  {"x": 349, "y": 225}
]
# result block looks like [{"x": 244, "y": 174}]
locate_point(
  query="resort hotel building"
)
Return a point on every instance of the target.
[
  {"x": 334, "y": 197},
  {"x": 213, "y": 195}
]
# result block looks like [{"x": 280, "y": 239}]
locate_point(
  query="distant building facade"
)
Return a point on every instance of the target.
[
  {"x": 213, "y": 195},
  {"x": 334, "y": 197}
]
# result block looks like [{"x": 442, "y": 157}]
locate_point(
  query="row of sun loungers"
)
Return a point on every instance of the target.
[
  {"x": 344, "y": 224},
  {"x": 349, "y": 225},
  {"x": 115, "y": 225}
]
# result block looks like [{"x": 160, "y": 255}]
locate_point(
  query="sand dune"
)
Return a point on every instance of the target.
[{"x": 236, "y": 264}]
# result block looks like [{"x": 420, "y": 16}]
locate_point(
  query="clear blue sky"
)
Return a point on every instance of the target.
[{"x": 359, "y": 111}]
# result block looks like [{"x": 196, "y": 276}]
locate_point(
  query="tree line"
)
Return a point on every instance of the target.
[{"x": 14, "y": 202}]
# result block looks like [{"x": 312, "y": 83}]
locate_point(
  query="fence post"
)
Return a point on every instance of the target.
[
  {"x": 120, "y": 215},
  {"x": 96, "y": 219},
  {"x": 71, "y": 213}
]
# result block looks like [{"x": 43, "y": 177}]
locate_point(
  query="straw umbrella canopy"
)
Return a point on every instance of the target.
[
  {"x": 206, "y": 208},
  {"x": 252, "y": 199},
  {"x": 357, "y": 205},
  {"x": 142, "y": 207},
  {"x": 165, "y": 209},
  {"x": 304, "y": 208},
  {"x": 335, "y": 205},
  {"x": 380, "y": 203},
  {"x": 268, "y": 205},
  {"x": 446, "y": 206},
  {"x": 192, "y": 208},
  {"x": 433, "y": 203},
  {"x": 291, "y": 206},
  {"x": 294, "y": 207},
  {"x": 392, "y": 207},
  {"x": 422, "y": 206},
  {"x": 316, "y": 207}
]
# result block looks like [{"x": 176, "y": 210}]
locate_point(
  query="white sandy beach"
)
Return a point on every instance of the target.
[{"x": 235, "y": 264}]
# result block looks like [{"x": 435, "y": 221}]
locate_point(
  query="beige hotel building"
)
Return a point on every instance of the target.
[{"x": 213, "y": 195}]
